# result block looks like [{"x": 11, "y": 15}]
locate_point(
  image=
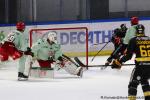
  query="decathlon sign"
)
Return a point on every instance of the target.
[{"x": 93, "y": 37}]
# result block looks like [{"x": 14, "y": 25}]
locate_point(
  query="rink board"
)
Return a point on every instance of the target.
[{"x": 99, "y": 32}]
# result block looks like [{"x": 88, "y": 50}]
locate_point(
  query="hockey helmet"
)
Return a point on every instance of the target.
[
  {"x": 140, "y": 30},
  {"x": 117, "y": 31},
  {"x": 52, "y": 36},
  {"x": 20, "y": 26},
  {"x": 134, "y": 20},
  {"x": 123, "y": 27}
]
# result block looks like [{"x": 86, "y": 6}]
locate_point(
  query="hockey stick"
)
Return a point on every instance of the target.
[
  {"x": 99, "y": 43},
  {"x": 99, "y": 51},
  {"x": 83, "y": 65}
]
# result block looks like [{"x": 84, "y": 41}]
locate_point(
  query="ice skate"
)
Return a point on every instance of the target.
[
  {"x": 107, "y": 63},
  {"x": 22, "y": 77}
]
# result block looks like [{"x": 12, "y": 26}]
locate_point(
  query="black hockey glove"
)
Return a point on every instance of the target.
[
  {"x": 62, "y": 61},
  {"x": 60, "y": 58},
  {"x": 28, "y": 49},
  {"x": 116, "y": 64},
  {"x": 51, "y": 58},
  {"x": 29, "y": 52}
]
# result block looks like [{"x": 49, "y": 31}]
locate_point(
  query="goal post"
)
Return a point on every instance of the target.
[{"x": 73, "y": 40}]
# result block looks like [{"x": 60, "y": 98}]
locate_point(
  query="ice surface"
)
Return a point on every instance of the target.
[{"x": 96, "y": 84}]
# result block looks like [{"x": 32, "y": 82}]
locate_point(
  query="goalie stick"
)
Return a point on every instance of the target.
[
  {"x": 83, "y": 65},
  {"x": 99, "y": 43}
]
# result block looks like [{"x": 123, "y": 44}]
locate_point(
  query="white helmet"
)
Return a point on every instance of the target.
[{"x": 52, "y": 36}]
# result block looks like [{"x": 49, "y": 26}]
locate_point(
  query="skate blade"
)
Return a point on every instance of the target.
[{"x": 22, "y": 79}]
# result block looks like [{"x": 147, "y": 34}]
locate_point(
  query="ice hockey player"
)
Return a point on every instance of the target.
[
  {"x": 14, "y": 46},
  {"x": 119, "y": 34},
  {"x": 129, "y": 34},
  {"x": 49, "y": 51},
  {"x": 140, "y": 45},
  {"x": 132, "y": 30},
  {"x": 117, "y": 39}
]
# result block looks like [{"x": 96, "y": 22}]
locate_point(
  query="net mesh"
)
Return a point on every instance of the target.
[{"x": 73, "y": 41}]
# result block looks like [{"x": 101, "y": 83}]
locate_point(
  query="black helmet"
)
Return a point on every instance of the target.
[
  {"x": 117, "y": 30},
  {"x": 123, "y": 27},
  {"x": 140, "y": 30}
]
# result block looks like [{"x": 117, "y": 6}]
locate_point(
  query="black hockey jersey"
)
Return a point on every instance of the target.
[{"x": 141, "y": 47}]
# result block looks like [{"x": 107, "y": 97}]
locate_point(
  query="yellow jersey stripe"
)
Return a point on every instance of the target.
[{"x": 143, "y": 59}]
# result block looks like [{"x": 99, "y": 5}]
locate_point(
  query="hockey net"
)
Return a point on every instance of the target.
[{"x": 73, "y": 41}]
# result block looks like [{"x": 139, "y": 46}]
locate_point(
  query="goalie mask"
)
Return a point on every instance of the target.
[
  {"x": 140, "y": 30},
  {"x": 52, "y": 36}
]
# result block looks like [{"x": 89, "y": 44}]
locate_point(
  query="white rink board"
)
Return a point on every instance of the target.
[{"x": 99, "y": 32}]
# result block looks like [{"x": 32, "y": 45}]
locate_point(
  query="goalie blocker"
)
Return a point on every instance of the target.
[{"x": 64, "y": 62}]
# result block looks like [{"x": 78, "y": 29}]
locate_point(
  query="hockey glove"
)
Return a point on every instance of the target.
[
  {"x": 60, "y": 58},
  {"x": 28, "y": 52},
  {"x": 116, "y": 64},
  {"x": 51, "y": 58},
  {"x": 62, "y": 61},
  {"x": 28, "y": 49}
]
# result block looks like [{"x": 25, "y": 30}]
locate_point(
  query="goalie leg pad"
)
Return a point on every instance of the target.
[
  {"x": 39, "y": 72},
  {"x": 42, "y": 72},
  {"x": 71, "y": 68}
]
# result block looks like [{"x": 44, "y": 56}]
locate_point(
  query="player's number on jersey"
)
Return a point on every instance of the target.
[
  {"x": 11, "y": 38},
  {"x": 145, "y": 50}
]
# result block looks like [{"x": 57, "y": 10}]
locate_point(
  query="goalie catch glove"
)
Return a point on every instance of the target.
[
  {"x": 29, "y": 52},
  {"x": 116, "y": 64}
]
